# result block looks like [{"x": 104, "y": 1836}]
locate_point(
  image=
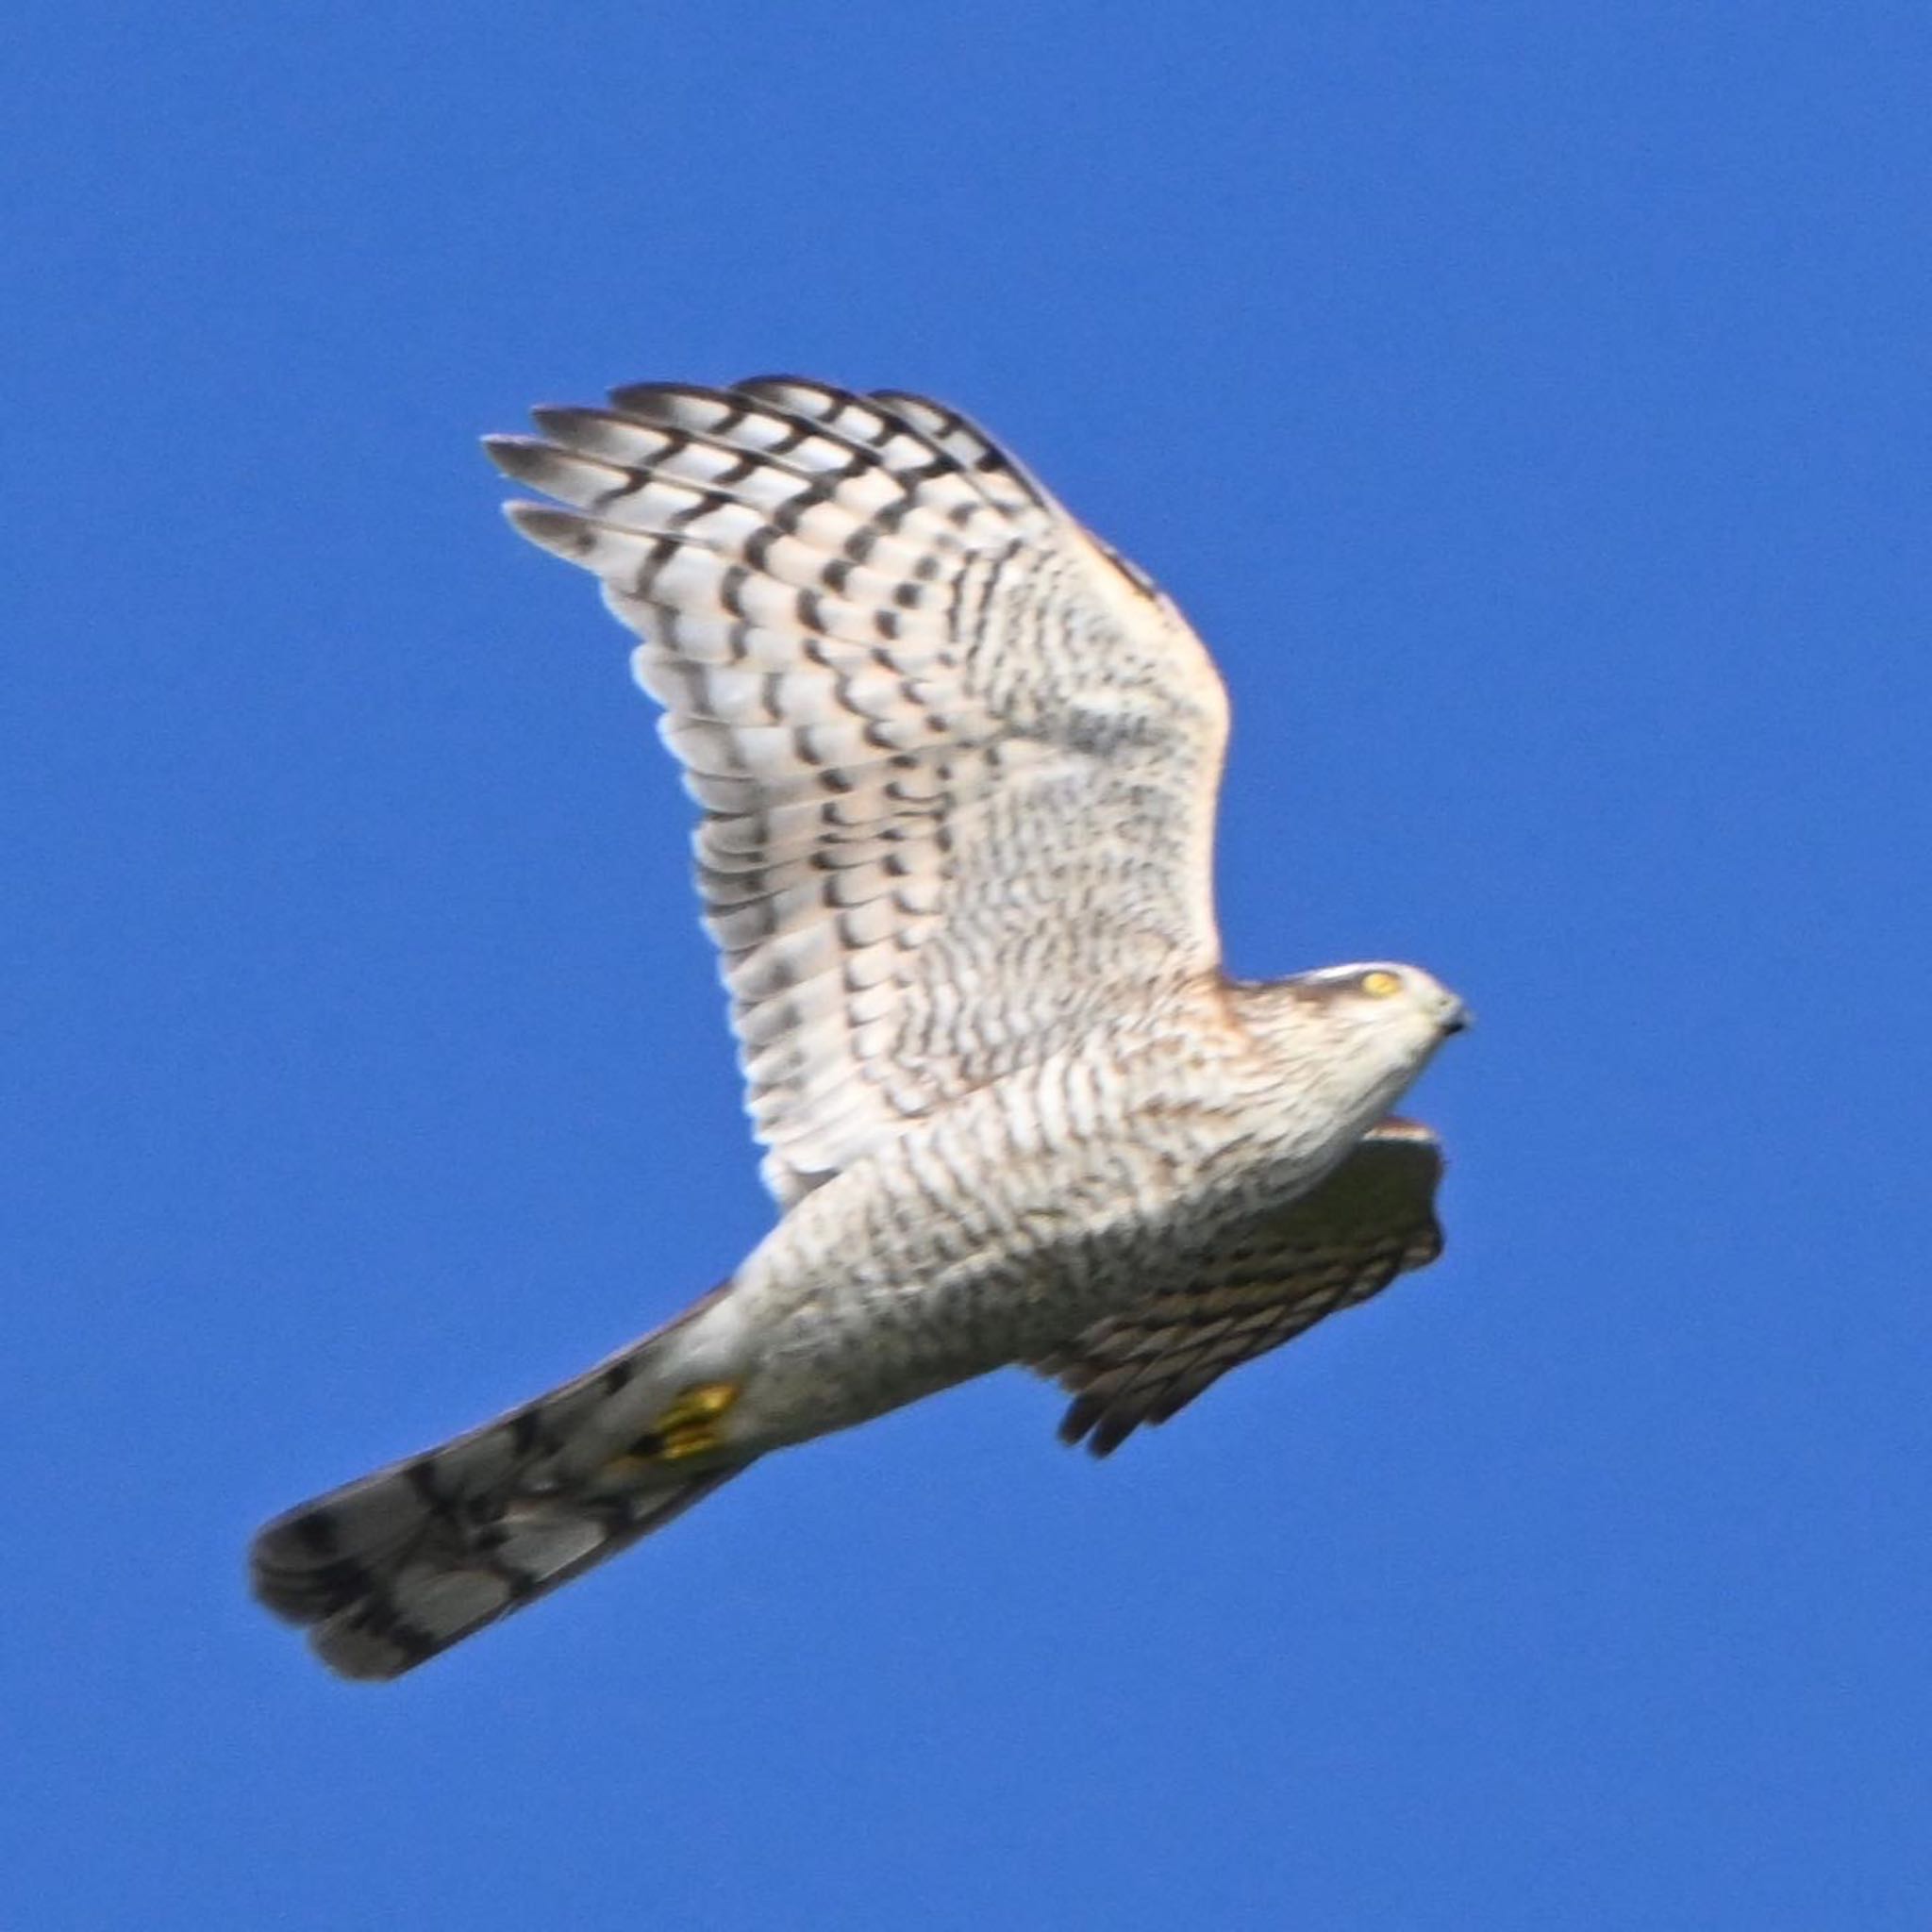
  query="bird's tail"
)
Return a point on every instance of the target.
[{"x": 392, "y": 1569}]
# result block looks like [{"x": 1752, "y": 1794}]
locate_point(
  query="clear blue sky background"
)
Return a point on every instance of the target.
[{"x": 1530, "y": 402}]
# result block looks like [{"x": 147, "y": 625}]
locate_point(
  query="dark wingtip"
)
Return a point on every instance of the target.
[
  {"x": 562, "y": 532},
  {"x": 1087, "y": 1421},
  {"x": 629, "y": 397},
  {"x": 762, "y": 385},
  {"x": 515, "y": 455}
]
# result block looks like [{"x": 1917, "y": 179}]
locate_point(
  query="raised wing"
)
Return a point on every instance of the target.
[
  {"x": 1373, "y": 1219},
  {"x": 957, "y": 761}
]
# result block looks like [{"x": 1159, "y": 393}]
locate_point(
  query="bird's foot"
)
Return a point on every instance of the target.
[
  {"x": 690, "y": 1426},
  {"x": 687, "y": 1429}
]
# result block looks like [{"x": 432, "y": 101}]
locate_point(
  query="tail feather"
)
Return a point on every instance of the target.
[{"x": 392, "y": 1569}]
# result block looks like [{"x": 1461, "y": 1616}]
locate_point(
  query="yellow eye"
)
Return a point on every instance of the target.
[{"x": 1380, "y": 986}]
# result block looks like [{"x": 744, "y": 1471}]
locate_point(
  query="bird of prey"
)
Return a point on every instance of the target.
[{"x": 956, "y": 763}]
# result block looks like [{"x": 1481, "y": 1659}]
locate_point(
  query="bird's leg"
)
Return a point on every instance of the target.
[
  {"x": 687, "y": 1427},
  {"x": 690, "y": 1426}
]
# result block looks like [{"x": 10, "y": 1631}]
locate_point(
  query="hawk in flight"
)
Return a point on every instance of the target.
[{"x": 956, "y": 764}]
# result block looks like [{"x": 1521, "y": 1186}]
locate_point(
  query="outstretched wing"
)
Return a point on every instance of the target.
[
  {"x": 957, "y": 761},
  {"x": 1373, "y": 1219}
]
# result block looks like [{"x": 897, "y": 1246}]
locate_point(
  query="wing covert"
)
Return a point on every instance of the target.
[{"x": 1373, "y": 1219}]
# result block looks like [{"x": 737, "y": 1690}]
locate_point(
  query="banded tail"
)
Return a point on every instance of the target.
[{"x": 390, "y": 1570}]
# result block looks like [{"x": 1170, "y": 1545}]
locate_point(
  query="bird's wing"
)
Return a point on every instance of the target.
[
  {"x": 957, "y": 761},
  {"x": 1373, "y": 1219}
]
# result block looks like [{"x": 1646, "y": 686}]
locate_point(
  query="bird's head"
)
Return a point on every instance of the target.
[
  {"x": 1386, "y": 996},
  {"x": 1363, "y": 1031}
]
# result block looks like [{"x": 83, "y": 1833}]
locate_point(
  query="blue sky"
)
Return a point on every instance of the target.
[{"x": 1530, "y": 405}]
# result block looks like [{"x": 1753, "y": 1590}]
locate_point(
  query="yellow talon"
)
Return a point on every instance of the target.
[
  {"x": 690, "y": 1426},
  {"x": 702, "y": 1403},
  {"x": 687, "y": 1427}
]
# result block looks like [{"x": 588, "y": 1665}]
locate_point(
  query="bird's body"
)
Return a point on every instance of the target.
[
  {"x": 958, "y": 764},
  {"x": 1032, "y": 1209}
]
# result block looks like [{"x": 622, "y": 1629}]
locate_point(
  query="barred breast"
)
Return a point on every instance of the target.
[{"x": 1022, "y": 1214}]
